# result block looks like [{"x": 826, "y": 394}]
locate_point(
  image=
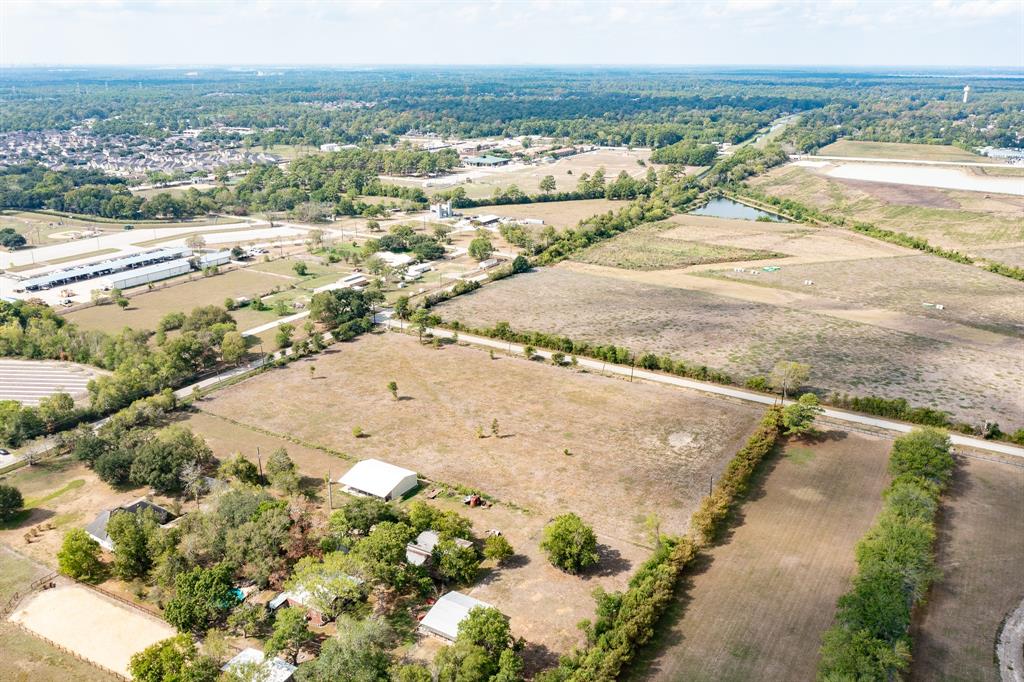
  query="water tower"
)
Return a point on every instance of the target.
[{"x": 967, "y": 92}]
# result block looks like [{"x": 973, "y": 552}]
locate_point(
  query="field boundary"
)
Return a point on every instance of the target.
[{"x": 631, "y": 371}]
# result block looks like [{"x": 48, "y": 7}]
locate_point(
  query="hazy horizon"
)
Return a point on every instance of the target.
[{"x": 457, "y": 33}]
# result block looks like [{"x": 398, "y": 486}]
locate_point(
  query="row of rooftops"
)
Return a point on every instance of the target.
[{"x": 174, "y": 260}]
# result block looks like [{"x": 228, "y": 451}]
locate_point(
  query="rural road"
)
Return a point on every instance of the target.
[{"x": 738, "y": 393}]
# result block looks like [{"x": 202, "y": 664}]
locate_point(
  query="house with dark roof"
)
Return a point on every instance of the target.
[{"x": 97, "y": 530}]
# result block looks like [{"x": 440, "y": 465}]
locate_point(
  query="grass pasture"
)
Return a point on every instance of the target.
[
  {"x": 148, "y": 307},
  {"x": 558, "y": 214},
  {"x": 980, "y": 552},
  {"x": 902, "y": 151},
  {"x": 745, "y": 336},
  {"x": 757, "y": 606},
  {"x": 645, "y": 448},
  {"x": 970, "y": 296},
  {"x": 566, "y": 172},
  {"x": 962, "y": 220},
  {"x": 651, "y": 247}
]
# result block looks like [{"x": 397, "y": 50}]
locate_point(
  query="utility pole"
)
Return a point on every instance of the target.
[
  {"x": 259, "y": 461},
  {"x": 330, "y": 495}
]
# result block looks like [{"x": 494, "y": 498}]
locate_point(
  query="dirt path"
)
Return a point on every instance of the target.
[{"x": 686, "y": 278}]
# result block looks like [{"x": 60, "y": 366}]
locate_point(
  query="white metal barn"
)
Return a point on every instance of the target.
[
  {"x": 378, "y": 479},
  {"x": 444, "y": 617}
]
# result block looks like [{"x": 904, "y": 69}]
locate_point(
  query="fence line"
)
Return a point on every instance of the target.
[{"x": 65, "y": 650}]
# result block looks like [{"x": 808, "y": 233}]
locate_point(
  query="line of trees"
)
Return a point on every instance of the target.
[{"x": 895, "y": 566}]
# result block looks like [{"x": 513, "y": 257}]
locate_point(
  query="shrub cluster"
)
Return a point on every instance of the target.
[
  {"x": 626, "y": 620},
  {"x": 895, "y": 566}
]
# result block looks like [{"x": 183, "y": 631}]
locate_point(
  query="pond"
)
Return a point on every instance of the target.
[{"x": 727, "y": 208}]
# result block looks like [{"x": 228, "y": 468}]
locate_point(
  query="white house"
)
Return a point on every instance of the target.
[
  {"x": 444, "y": 617},
  {"x": 378, "y": 479},
  {"x": 272, "y": 669}
]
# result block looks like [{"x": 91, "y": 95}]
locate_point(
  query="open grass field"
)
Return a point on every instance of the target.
[
  {"x": 656, "y": 247},
  {"x": 42, "y": 229},
  {"x": 970, "y": 296},
  {"x": 746, "y": 337},
  {"x": 899, "y": 150},
  {"x": 980, "y": 554},
  {"x": 565, "y": 171},
  {"x": 797, "y": 243},
  {"x": 757, "y": 606},
  {"x": 632, "y": 449},
  {"x": 950, "y": 218},
  {"x": 26, "y": 657},
  {"x": 558, "y": 214},
  {"x": 671, "y": 448},
  {"x": 148, "y": 307}
]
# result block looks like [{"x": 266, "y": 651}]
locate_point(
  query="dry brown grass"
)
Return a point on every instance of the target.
[
  {"x": 646, "y": 448},
  {"x": 558, "y": 214},
  {"x": 147, "y": 308},
  {"x": 969, "y": 295},
  {"x": 757, "y": 606},
  {"x": 656, "y": 247},
  {"x": 980, "y": 554},
  {"x": 949, "y": 218},
  {"x": 747, "y": 337},
  {"x": 899, "y": 150}
]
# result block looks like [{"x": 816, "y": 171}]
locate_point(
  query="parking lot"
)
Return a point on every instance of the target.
[{"x": 29, "y": 381}]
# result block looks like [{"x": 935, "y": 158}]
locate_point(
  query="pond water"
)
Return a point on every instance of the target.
[{"x": 727, "y": 208}]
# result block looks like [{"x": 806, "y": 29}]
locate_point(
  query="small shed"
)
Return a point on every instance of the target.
[
  {"x": 272, "y": 669},
  {"x": 444, "y": 617},
  {"x": 379, "y": 479}
]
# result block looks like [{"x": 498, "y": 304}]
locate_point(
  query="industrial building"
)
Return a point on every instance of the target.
[
  {"x": 486, "y": 161},
  {"x": 140, "y": 276},
  {"x": 217, "y": 258},
  {"x": 102, "y": 268}
]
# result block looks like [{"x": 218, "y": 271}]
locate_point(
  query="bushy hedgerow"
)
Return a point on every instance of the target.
[
  {"x": 626, "y": 620},
  {"x": 895, "y": 566},
  {"x": 714, "y": 509}
]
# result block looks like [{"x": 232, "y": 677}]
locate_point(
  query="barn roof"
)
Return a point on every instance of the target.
[
  {"x": 444, "y": 617},
  {"x": 375, "y": 477}
]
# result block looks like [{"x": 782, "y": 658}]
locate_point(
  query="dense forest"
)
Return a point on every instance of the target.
[{"x": 603, "y": 106}]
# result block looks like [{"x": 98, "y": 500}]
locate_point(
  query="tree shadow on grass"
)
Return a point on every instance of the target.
[
  {"x": 26, "y": 518},
  {"x": 537, "y": 657},
  {"x": 611, "y": 563},
  {"x": 816, "y": 436}
]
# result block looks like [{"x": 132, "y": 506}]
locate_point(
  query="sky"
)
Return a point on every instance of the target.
[{"x": 628, "y": 32}]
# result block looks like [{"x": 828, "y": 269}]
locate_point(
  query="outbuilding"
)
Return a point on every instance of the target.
[
  {"x": 444, "y": 617},
  {"x": 379, "y": 479},
  {"x": 271, "y": 669},
  {"x": 421, "y": 550}
]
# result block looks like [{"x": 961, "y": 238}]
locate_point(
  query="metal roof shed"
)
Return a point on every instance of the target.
[
  {"x": 444, "y": 617},
  {"x": 379, "y": 479},
  {"x": 271, "y": 669}
]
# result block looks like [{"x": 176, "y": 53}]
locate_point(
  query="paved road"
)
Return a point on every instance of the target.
[{"x": 738, "y": 393}]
